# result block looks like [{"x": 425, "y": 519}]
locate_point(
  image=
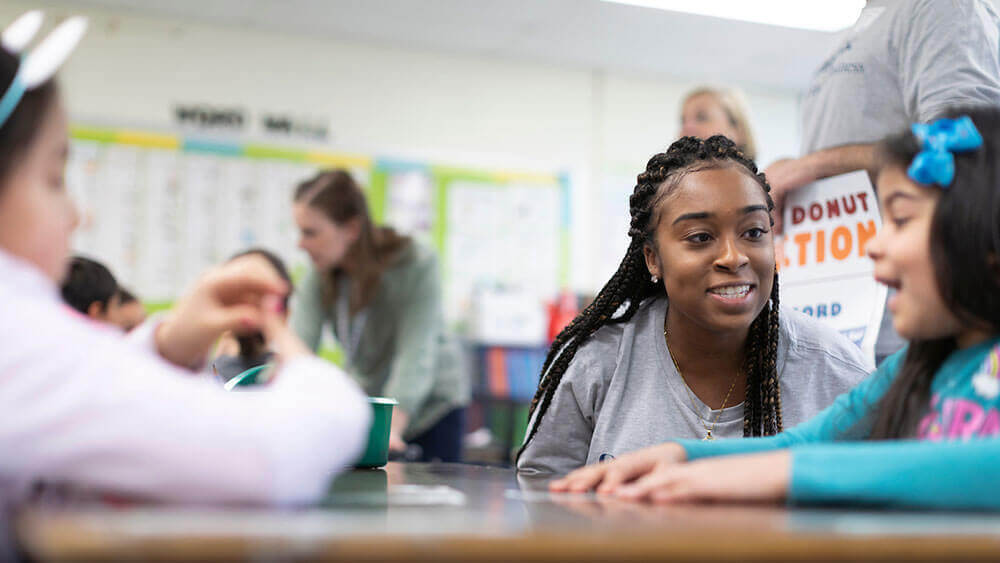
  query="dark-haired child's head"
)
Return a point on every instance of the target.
[
  {"x": 37, "y": 215},
  {"x": 939, "y": 245},
  {"x": 91, "y": 289},
  {"x": 253, "y": 345}
]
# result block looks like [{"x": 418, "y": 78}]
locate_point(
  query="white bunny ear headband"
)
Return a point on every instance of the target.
[{"x": 42, "y": 62}]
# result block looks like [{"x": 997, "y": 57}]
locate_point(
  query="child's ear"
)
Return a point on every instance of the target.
[{"x": 96, "y": 311}]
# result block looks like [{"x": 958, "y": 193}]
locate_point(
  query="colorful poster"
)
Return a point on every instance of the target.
[
  {"x": 825, "y": 270},
  {"x": 501, "y": 237},
  {"x": 159, "y": 275},
  {"x": 81, "y": 180},
  {"x": 410, "y": 204}
]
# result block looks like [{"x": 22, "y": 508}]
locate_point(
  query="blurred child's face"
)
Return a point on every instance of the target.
[
  {"x": 703, "y": 116},
  {"x": 902, "y": 256},
  {"x": 714, "y": 249},
  {"x": 326, "y": 242},
  {"x": 105, "y": 312},
  {"x": 129, "y": 315},
  {"x": 37, "y": 215}
]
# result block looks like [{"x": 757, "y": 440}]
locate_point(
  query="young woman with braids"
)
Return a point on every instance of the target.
[{"x": 721, "y": 361}]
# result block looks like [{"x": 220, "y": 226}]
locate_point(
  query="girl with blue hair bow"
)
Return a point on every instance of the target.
[{"x": 924, "y": 429}]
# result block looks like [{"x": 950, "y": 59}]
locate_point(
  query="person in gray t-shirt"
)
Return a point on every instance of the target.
[
  {"x": 722, "y": 360},
  {"x": 904, "y": 61}
]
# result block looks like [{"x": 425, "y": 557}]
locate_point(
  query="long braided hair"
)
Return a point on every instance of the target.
[{"x": 631, "y": 284}]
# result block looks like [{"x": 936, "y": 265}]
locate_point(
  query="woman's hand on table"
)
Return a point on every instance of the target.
[
  {"x": 227, "y": 297},
  {"x": 738, "y": 478},
  {"x": 607, "y": 477}
]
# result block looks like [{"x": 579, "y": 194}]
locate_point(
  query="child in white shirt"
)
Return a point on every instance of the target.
[{"x": 94, "y": 409}]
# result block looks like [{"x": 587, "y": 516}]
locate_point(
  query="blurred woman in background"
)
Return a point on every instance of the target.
[
  {"x": 381, "y": 293},
  {"x": 708, "y": 111}
]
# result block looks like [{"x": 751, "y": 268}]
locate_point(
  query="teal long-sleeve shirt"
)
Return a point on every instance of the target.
[{"x": 954, "y": 461}]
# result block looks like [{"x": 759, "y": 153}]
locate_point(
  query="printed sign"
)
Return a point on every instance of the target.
[{"x": 825, "y": 269}]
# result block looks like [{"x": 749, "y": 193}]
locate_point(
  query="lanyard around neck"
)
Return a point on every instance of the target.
[{"x": 349, "y": 329}]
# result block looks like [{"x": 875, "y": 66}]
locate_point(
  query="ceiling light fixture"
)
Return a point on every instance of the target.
[{"x": 816, "y": 15}]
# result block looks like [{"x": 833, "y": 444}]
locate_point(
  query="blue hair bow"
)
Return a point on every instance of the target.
[{"x": 935, "y": 163}]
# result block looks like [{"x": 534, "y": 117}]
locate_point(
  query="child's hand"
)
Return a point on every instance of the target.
[
  {"x": 608, "y": 477},
  {"x": 738, "y": 478},
  {"x": 227, "y": 345},
  {"x": 227, "y": 297},
  {"x": 282, "y": 339}
]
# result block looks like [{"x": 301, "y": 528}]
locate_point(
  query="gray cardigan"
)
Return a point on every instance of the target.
[{"x": 402, "y": 347}]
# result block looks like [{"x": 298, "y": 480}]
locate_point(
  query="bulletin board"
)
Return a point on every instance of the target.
[
  {"x": 159, "y": 209},
  {"x": 501, "y": 231}
]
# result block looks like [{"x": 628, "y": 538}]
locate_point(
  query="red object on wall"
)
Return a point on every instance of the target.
[{"x": 561, "y": 313}]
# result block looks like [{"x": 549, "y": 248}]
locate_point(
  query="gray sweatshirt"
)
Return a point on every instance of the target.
[{"x": 621, "y": 392}]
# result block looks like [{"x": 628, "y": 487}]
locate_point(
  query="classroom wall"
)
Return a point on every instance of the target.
[{"x": 450, "y": 108}]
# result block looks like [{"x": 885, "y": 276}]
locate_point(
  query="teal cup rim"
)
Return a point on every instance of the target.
[
  {"x": 382, "y": 401},
  {"x": 251, "y": 373}
]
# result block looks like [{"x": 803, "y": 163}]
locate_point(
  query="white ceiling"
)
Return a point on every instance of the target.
[{"x": 579, "y": 33}]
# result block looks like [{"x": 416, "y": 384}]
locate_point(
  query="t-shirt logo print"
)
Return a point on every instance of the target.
[{"x": 986, "y": 382}]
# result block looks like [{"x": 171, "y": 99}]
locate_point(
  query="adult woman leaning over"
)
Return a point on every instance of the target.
[
  {"x": 687, "y": 338},
  {"x": 380, "y": 292}
]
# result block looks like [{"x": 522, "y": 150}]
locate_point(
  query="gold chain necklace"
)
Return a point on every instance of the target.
[{"x": 694, "y": 404}]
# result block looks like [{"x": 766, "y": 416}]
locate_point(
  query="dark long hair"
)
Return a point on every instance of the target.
[
  {"x": 964, "y": 249},
  {"x": 630, "y": 285},
  {"x": 20, "y": 129},
  {"x": 335, "y": 194}
]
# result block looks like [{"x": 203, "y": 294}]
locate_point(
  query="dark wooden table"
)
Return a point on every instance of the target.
[{"x": 451, "y": 512}]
